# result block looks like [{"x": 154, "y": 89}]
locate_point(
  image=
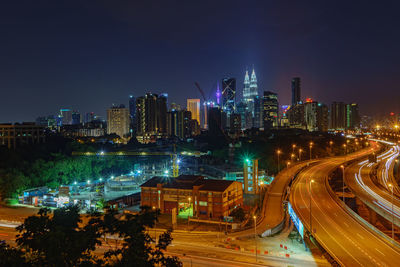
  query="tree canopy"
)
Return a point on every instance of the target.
[{"x": 63, "y": 239}]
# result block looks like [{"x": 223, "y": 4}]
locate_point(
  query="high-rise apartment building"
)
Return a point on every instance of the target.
[
  {"x": 193, "y": 105},
  {"x": 151, "y": 116},
  {"x": 118, "y": 121},
  {"x": 316, "y": 116},
  {"x": 229, "y": 95},
  {"x": 270, "y": 110},
  {"x": 296, "y": 91}
]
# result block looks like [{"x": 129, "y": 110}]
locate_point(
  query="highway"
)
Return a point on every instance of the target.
[
  {"x": 343, "y": 236},
  {"x": 375, "y": 192}
]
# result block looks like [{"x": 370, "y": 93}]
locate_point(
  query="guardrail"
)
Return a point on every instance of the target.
[
  {"x": 364, "y": 223},
  {"x": 277, "y": 228}
]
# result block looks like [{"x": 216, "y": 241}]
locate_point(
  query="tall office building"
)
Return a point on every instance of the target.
[
  {"x": 178, "y": 123},
  {"x": 258, "y": 111},
  {"x": 270, "y": 110},
  {"x": 151, "y": 116},
  {"x": 352, "y": 116},
  {"x": 296, "y": 116},
  {"x": 214, "y": 121},
  {"x": 296, "y": 91},
  {"x": 76, "y": 117},
  {"x": 66, "y": 116},
  {"x": 118, "y": 121},
  {"x": 338, "y": 116},
  {"x": 228, "y": 95},
  {"x": 193, "y": 105},
  {"x": 250, "y": 90}
]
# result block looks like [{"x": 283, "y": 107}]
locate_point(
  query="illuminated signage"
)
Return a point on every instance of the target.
[{"x": 296, "y": 220}]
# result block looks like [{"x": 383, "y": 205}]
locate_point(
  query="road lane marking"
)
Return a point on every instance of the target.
[
  {"x": 379, "y": 251},
  {"x": 360, "y": 235}
]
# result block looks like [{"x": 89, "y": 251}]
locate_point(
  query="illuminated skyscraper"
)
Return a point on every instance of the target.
[
  {"x": 118, "y": 121},
  {"x": 66, "y": 116},
  {"x": 193, "y": 105},
  {"x": 151, "y": 116},
  {"x": 270, "y": 110},
  {"x": 228, "y": 95},
  {"x": 250, "y": 91}
]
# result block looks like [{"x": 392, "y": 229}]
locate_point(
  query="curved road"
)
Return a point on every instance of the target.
[{"x": 344, "y": 237}]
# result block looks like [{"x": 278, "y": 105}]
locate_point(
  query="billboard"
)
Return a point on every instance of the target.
[{"x": 296, "y": 220}]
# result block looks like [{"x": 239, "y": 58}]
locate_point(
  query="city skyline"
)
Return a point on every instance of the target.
[{"x": 110, "y": 52}]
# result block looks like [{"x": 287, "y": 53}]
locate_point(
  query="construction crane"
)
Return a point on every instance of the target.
[{"x": 201, "y": 91}]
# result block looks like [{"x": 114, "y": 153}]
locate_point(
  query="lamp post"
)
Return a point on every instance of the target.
[
  {"x": 155, "y": 227},
  {"x": 345, "y": 146},
  {"x": 391, "y": 187},
  {"x": 300, "y": 151},
  {"x": 342, "y": 167},
  {"x": 330, "y": 145},
  {"x": 255, "y": 233},
  {"x": 293, "y": 147},
  {"x": 311, "y": 145},
  {"x": 189, "y": 198},
  {"x": 287, "y": 164},
  {"x": 278, "y": 152},
  {"x": 311, "y": 181}
]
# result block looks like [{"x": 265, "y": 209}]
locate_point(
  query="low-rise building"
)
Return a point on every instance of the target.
[{"x": 192, "y": 195}]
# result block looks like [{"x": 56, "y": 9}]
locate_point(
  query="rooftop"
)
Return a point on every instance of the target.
[{"x": 188, "y": 181}]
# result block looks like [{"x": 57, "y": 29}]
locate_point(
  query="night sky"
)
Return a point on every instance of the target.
[{"x": 87, "y": 55}]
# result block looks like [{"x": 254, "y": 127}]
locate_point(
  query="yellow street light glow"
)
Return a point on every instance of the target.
[
  {"x": 390, "y": 185},
  {"x": 254, "y": 217}
]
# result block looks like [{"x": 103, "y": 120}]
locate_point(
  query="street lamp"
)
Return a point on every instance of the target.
[
  {"x": 189, "y": 198},
  {"x": 345, "y": 146},
  {"x": 255, "y": 233},
  {"x": 311, "y": 145},
  {"x": 155, "y": 226},
  {"x": 278, "y": 152},
  {"x": 293, "y": 147},
  {"x": 287, "y": 164},
  {"x": 391, "y": 187},
  {"x": 311, "y": 181},
  {"x": 330, "y": 145},
  {"x": 342, "y": 166},
  {"x": 300, "y": 151}
]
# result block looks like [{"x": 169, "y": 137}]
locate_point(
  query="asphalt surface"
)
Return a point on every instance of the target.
[
  {"x": 344, "y": 237},
  {"x": 374, "y": 191}
]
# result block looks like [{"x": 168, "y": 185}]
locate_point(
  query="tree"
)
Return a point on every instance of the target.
[
  {"x": 136, "y": 244},
  {"x": 11, "y": 256},
  {"x": 63, "y": 240},
  {"x": 60, "y": 239},
  {"x": 238, "y": 214}
]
